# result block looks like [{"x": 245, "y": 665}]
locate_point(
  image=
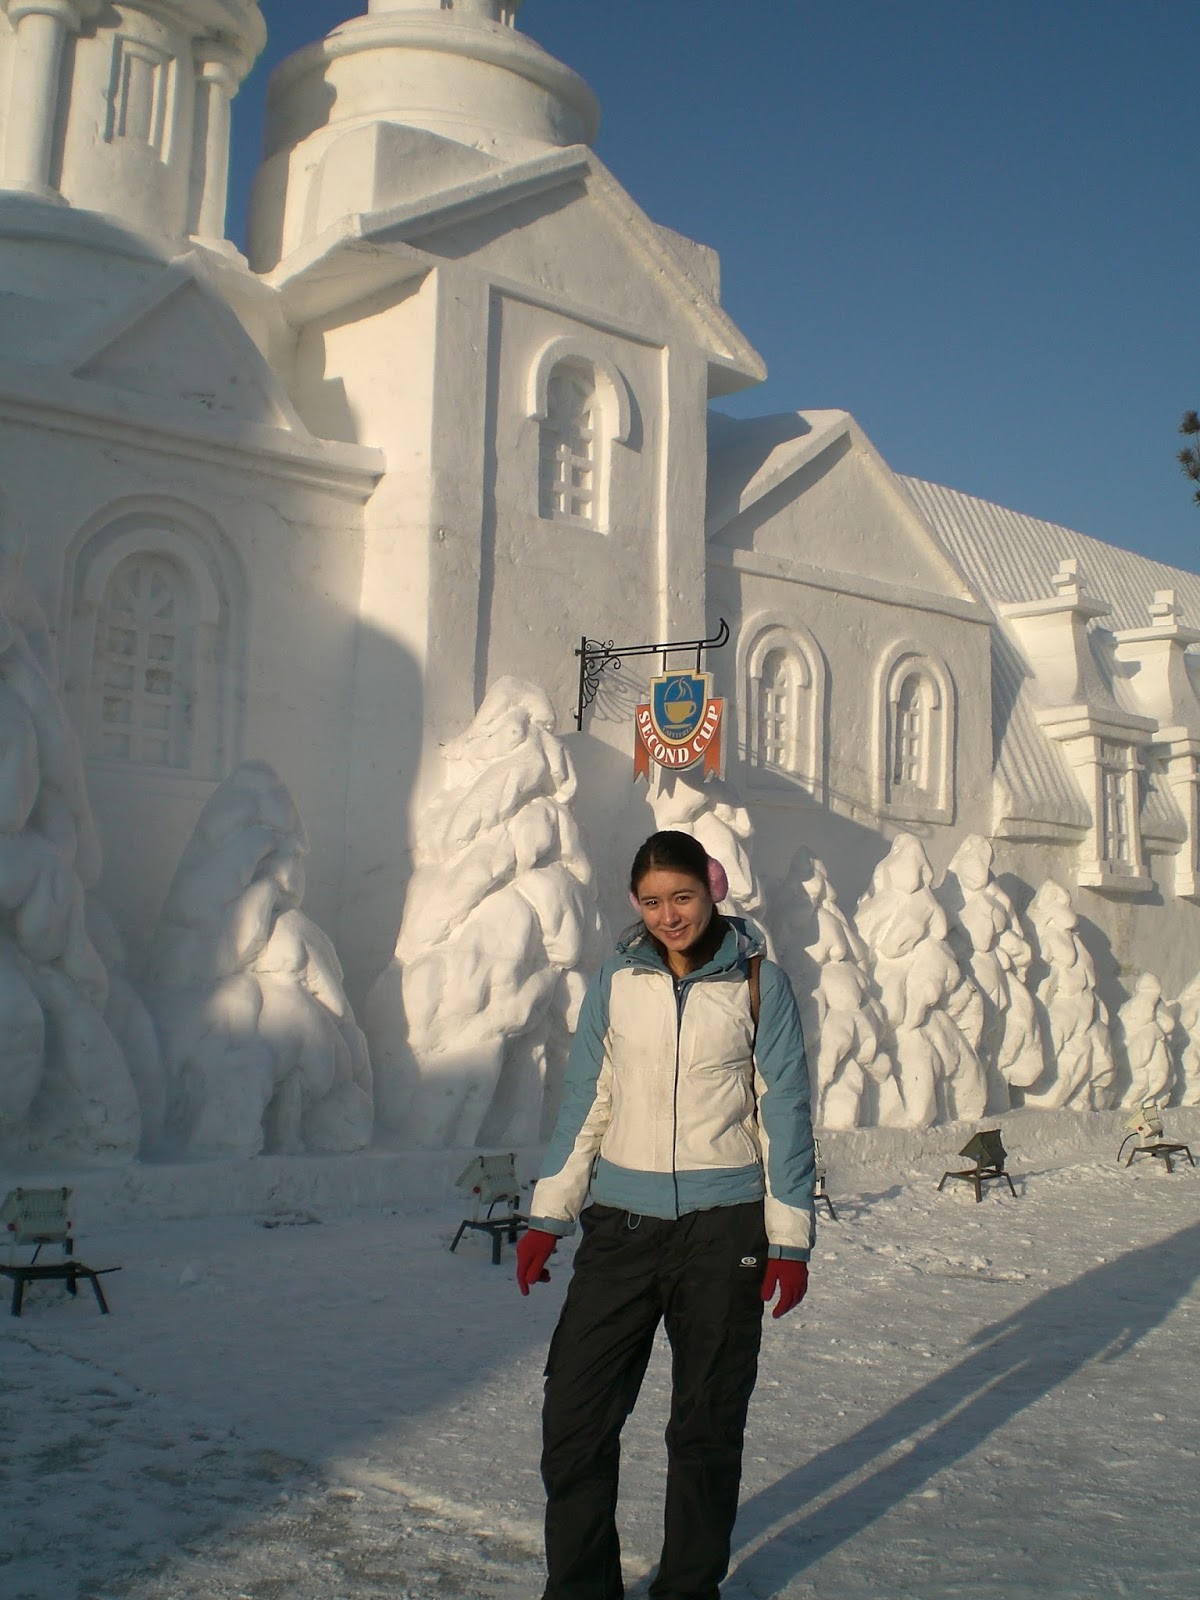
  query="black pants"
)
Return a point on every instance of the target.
[{"x": 703, "y": 1275}]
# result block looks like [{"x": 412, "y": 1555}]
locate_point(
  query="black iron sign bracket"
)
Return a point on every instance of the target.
[{"x": 595, "y": 657}]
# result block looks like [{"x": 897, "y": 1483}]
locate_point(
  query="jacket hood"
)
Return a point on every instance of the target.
[{"x": 742, "y": 940}]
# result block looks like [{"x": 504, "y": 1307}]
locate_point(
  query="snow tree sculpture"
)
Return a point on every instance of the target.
[
  {"x": 844, "y": 1024},
  {"x": 65, "y": 1089},
  {"x": 985, "y": 934},
  {"x": 1145, "y": 1024},
  {"x": 260, "y": 1040},
  {"x": 1079, "y": 1065},
  {"x": 1187, "y": 1046},
  {"x": 713, "y": 813},
  {"x": 928, "y": 1003},
  {"x": 471, "y": 1022}
]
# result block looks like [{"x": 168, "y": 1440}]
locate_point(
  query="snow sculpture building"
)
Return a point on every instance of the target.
[{"x": 457, "y": 408}]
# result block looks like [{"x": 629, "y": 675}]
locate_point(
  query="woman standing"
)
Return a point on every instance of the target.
[{"x": 686, "y": 1116}]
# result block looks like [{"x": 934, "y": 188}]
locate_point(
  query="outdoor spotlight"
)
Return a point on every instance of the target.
[
  {"x": 986, "y": 1150},
  {"x": 819, "y": 1193},
  {"x": 1146, "y": 1126},
  {"x": 1147, "y": 1123}
]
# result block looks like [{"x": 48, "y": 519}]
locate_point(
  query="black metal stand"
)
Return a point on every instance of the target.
[
  {"x": 1162, "y": 1152},
  {"x": 595, "y": 656},
  {"x": 820, "y": 1197},
  {"x": 978, "y": 1176},
  {"x": 497, "y": 1227},
  {"x": 69, "y": 1271}
]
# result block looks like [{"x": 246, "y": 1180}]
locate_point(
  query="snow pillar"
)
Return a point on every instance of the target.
[
  {"x": 41, "y": 28},
  {"x": 216, "y": 84}
]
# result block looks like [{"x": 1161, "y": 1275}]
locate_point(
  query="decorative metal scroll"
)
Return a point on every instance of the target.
[{"x": 596, "y": 657}]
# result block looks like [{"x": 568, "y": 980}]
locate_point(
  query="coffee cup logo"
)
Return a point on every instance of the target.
[{"x": 680, "y": 725}]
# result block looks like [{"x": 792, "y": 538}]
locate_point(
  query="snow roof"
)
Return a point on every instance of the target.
[{"x": 1010, "y": 557}]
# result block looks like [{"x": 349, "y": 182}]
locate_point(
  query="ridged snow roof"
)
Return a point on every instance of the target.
[{"x": 1010, "y": 557}]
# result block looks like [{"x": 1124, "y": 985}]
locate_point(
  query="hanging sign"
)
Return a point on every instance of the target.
[{"x": 680, "y": 725}]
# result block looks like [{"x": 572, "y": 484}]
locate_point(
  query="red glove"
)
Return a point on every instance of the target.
[
  {"x": 533, "y": 1252},
  {"x": 790, "y": 1278}
]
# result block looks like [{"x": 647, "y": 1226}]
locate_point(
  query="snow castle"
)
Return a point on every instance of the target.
[{"x": 295, "y": 553}]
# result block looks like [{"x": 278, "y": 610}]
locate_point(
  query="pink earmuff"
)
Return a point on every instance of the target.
[{"x": 718, "y": 885}]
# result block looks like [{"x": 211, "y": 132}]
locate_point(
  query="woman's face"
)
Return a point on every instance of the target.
[{"x": 676, "y": 908}]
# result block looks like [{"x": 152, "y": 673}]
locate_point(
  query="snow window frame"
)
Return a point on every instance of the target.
[
  {"x": 143, "y": 665},
  {"x": 915, "y": 735},
  {"x": 799, "y": 755},
  {"x": 602, "y": 419},
  {"x": 210, "y": 647}
]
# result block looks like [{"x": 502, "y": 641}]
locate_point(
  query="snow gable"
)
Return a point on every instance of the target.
[
  {"x": 175, "y": 341},
  {"x": 560, "y": 227},
  {"x": 809, "y": 490}
]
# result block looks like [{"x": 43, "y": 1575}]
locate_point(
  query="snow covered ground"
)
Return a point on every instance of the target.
[{"x": 986, "y": 1401}]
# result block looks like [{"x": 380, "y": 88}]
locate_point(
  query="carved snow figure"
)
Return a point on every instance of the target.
[
  {"x": 261, "y": 1043},
  {"x": 843, "y": 1022},
  {"x": 471, "y": 1022},
  {"x": 65, "y": 1090},
  {"x": 713, "y": 813},
  {"x": 926, "y": 1000},
  {"x": 132, "y": 1027},
  {"x": 1187, "y": 1046},
  {"x": 986, "y": 936},
  {"x": 1079, "y": 1064},
  {"x": 1145, "y": 1025}
]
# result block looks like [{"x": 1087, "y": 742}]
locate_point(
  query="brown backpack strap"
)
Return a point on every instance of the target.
[{"x": 752, "y": 971}]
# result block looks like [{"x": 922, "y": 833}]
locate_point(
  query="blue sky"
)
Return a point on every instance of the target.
[{"x": 974, "y": 225}]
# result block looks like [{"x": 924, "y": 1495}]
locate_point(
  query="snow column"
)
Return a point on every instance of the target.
[
  {"x": 41, "y": 28},
  {"x": 216, "y": 84}
]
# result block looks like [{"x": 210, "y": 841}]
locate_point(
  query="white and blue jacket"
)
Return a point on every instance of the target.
[{"x": 670, "y": 1104}]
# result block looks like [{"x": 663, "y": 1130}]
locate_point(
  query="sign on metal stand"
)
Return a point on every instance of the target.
[{"x": 680, "y": 724}]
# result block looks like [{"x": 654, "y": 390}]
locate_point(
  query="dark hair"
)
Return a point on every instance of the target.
[{"x": 677, "y": 852}]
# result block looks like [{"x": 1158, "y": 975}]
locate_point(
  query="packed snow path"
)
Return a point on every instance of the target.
[{"x": 996, "y": 1401}]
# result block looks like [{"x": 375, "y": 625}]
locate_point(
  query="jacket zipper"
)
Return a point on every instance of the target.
[{"x": 677, "y": 986}]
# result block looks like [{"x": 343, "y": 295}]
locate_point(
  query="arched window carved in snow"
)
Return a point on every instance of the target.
[
  {"x": 153, "y": 638},
  {"x": 915, "y": 733},
  {"x": 582, "y": 406},
  {"x": 568, "y": 457},
  {"x": 142, "y": 665},
  {"x": 913, "y": 714},
  {"x": 784, "y": 705}
]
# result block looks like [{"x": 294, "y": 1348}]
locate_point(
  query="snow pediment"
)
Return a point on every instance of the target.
[
  {"x": 561, "y": 225},
  {"x": 810, "y": 490},
  {"x": 178, "y": 343}
]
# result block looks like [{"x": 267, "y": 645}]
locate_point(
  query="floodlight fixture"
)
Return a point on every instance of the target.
[
  {"x": 986, "y": 1150},
  {"x": 1147, "y": 1122},
  {"x": 1146, "y": 1126},
  {"x": 819, "y": 1192},
  {"x": 491, "y": 1181}
]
